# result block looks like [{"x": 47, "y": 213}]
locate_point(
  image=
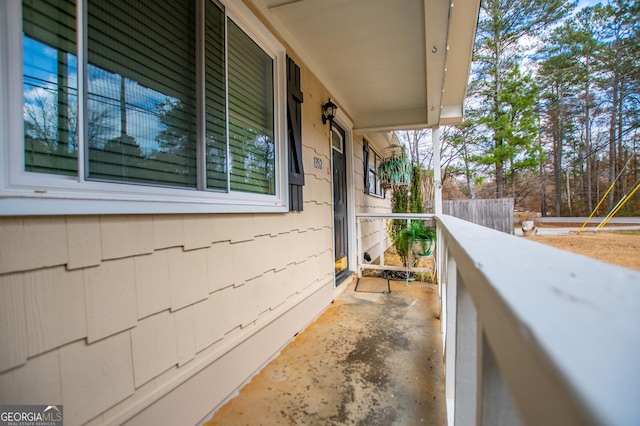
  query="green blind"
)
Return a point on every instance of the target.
[
  {"x": 50, "y": 86},
  {"x": 141, "y": 92},
  {"x": 215, "y": 95},
  {"x": 251, "y": 128}
]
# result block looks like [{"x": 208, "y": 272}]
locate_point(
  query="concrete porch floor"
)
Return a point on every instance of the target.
[{"x": 369, "y": 359}]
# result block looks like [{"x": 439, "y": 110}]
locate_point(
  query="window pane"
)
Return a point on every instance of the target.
[
  {"x": 379, "y": 189},
  {"x": 50, "y": 86},
  {"x": 372, "y": 183},
  {"x": 141, "y": 92},
  {"x": 251, "y": 143},
  {"x": 216, "y": 143}
]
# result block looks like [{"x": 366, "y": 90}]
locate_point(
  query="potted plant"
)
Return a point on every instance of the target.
[
  {"x": 395, "y": 169},
  {"x": 414, "y": 241}
]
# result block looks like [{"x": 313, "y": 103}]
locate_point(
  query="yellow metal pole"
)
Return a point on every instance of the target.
[
  {"x": 608, "y": 216},
  {"x": 597, "y": 207},
  {"x": 607, "y": 193},
  {"x": 622, "y": 203}
]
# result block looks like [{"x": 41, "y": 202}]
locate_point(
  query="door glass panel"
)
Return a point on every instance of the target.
[{"x": 336, "y": 140}]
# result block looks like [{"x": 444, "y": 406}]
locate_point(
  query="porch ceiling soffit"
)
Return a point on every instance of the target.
[
  {"x": 380, "y": 140},
  {"x": 384, "y": 61}
]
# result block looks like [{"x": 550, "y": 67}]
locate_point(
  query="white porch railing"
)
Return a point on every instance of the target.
[
  {"x": 532, "y": 334},
  {"x": 380, "y": 230},
  {"x": 535, "y": 335}
]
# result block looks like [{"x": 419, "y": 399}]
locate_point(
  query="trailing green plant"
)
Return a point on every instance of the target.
[
  {"x": 395, "y": 169},
  {"x": 417, "y": 239},
  {"x": 415, "y": 197},
  {"x": 399, "y": 204}
]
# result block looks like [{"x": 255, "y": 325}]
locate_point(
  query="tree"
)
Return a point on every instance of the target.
[
  {"x": 501, "y": 26},
  {"x": 620, "y": 62},
  {"x": 587, "y": 112},
  {"x": 464, "y": 140},
  {"x": 458, "y": 145},
  {"x": 415, "y": 195},
  {"x": 419, "y": 153},
  {"x": 582, "y": 35},
  {"x": 513, "y": 123},
  {"x": 557, "y": 76},
  {"x": 51, "y": 128},
  {"x": 176, "y": 155},
  {"x": 418, "y": 146}
]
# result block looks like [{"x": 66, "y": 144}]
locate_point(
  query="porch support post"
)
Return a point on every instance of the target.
[{"x": 437, "y": 179}]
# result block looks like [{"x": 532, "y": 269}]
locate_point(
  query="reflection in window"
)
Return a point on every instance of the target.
[
  {"x": 250, "y": 114},
  {"x": 50, "y": 85},
  {"x": 374, "y": 182}
]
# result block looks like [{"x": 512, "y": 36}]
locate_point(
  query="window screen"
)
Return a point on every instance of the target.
[
  {"x": 141, "y": 92},
  {"x": 251, "y": 126}
]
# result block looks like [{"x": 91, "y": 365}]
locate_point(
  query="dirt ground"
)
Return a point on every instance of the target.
[{"x": 620, "y": 248}]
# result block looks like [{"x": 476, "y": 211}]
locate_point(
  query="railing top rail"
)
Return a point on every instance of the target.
[
  {"x": 564, "y": 328},
  {"x": 396, "y": 215}
]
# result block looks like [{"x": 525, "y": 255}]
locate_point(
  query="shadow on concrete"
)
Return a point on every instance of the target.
[{"x": 369, "y": 359}]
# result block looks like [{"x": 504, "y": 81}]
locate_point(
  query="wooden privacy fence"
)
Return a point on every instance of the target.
[{"x": 495, "y": 214}]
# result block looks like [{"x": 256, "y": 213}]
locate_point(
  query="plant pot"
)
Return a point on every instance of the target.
[
  {"x": 422, "y": 247},
  {"x": 414, "y": 241}
]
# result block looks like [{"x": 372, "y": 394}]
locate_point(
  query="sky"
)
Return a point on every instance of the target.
[{"x": 585, "y": 3}]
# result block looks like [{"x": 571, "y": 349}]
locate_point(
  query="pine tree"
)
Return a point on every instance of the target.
[
  {"x": 558, "y": 76},
  {"x": 620, "y": 62},
  {"x": 501, "y": 26},
  {"x": 513, "y": 123}
]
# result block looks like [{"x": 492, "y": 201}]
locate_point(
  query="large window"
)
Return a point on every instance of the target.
[{"x": 164, "y": 95}]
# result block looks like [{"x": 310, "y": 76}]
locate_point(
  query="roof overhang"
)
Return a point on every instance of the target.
[{"x": 390, "y": 64}]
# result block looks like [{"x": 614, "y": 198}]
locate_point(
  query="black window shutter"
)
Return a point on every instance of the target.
[
  {"x": 365, "y": 167},
  {"x": 294, "y": 118}
]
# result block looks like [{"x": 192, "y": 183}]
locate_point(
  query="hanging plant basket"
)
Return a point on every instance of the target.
[{"x": 395, "y": 169}]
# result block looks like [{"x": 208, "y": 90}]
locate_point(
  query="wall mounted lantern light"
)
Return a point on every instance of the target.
[{"x": 329, "y": 111}]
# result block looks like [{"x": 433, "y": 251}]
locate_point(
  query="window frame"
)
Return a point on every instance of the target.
[{"x": 34, "y": 193}]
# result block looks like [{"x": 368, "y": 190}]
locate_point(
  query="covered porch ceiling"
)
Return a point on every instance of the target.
[{"x": 391, "y": 64}]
